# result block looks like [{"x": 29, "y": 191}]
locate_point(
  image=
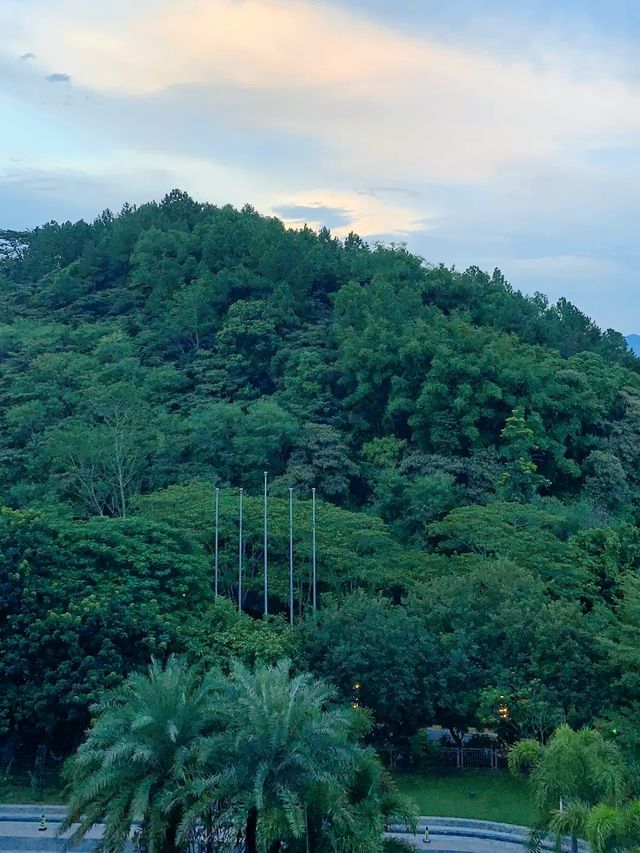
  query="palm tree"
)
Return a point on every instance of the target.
[
  {"x": 257, "y": 758},
  {"x": 287, "y": 741},
  {"x": 298, "y": 765},
  {"x": 372, "y": 801},
  {"x": 572, "y": 773},
  {"x": 607, "y": 828},
  {"x": 150, "y": 739}
]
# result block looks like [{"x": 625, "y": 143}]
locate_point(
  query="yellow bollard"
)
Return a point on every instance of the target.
[{"x": 425, "y": 837}]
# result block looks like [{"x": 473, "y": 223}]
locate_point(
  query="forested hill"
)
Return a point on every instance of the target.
[
  {"x": 476, "y": 454},
  {"x": 222, "y": 344}
]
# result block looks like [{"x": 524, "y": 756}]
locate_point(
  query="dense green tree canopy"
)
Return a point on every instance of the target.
[{"x": 475, "y": 454}]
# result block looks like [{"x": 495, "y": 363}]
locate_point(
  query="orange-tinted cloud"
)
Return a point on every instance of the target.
[{"x": 376, "y": 101}]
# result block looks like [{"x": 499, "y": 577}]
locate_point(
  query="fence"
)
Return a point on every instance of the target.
[{"x": 471, "y": 758}]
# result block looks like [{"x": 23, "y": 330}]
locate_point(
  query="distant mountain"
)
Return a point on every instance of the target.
[{"x": 634, "y": 343}]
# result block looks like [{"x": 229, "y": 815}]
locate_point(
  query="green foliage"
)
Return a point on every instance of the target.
[
  {"x": 530, "y": 710},
  {"x": 299, "y": 768},
  {"x": 261, "y": 755},
  {"x": 147, "y": 742},
  {"x": 354, "y": 549},
  {"x": 520, "y": 479},
  {"x": 81, "y": 605},
  {"x": 379, "y": 647},
  {"x": 397, "y": 845},
  {"x": 216, "y": 635},
  {"x": 572, "y": 773},
  {"x": 424, "y": 752},
  {"x": 614, "y": 830},
  {"x": 187, "y": 302},
  {"x": 475, "y": 454}
]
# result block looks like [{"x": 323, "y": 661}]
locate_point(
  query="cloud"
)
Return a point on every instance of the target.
[
  {"x": 519, "y": 151},
  {"x": 377, "y": 100},
  {"x": 300, "y": 214},
  {"x": 352, "y": 211},
  {"x": 26, "y": 56},
  {"x": 565, "y": 267},
  {"x": 384, "y": 191},
  {"x": 59, "y": 78}
]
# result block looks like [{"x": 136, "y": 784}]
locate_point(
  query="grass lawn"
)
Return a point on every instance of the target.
[
  {"x": 20, "y": 790},
  {"x": 484, "y": 794}
]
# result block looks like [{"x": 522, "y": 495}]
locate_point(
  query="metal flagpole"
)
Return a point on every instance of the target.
[
  {"x": 240, "y": 556},
  {"x": 266, "y": 559},
  {"x": 313, "y": 545},
  {"x": 291, "y": 556},
  {"x": 215, "y": 558}
]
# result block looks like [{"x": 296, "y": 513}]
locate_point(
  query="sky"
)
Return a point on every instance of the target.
[{"x": 486, "y": 132}]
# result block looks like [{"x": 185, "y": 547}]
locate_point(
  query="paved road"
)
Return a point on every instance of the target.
[
  {"x": 452, "y": 844},
  {"x": 19, "y": 833}
]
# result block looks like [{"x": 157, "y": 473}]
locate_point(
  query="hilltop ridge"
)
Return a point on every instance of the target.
[{"x": 229, "y": 344}]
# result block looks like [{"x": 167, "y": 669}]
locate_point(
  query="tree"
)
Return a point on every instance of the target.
[
  {"x": 529, "y": 535},
  {"x": 300, "y": 772},
  {"x": 284, "y": 741},
  {"x": 381, "y": 648},
  {"x": 148, "y": 741},
  {"x": 520, "y": 480},
  {"x": 530, "y": 710},
  {"x": 192, "y": 314},
  {"x": 571, "y": 659},
  {"x": 574, "y": 771},
  {"x": 260, "y": 756},
  {"x": 481, "y": 618},
  {"x": 101, "y": 459},
  {"x": 82, "y": 604},
  {"x": 612, "y": 830},
  {"x": 14, "y": 245},
  {"x": 216, "y": 635},
  {"x": 354, "y": 550},
  {"x": 163, "y": 261},
  {"x": 238, "y": 442},
  {"x": 605, "y": 481},
  {"x": 321, "y": 459},
  {"x": 245, "y": 345}
]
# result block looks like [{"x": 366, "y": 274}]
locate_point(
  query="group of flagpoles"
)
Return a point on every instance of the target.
[{"x": 265, "y": 548}]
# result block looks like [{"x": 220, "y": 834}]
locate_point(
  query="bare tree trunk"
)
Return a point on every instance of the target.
[
  {"x": 118, "y": 452},
  {"x": 306, "y": 823},
  {"x": 251, "y": 833},
  {"x": 170, "y": 845},
  {"x": 456, "y": 736}
]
